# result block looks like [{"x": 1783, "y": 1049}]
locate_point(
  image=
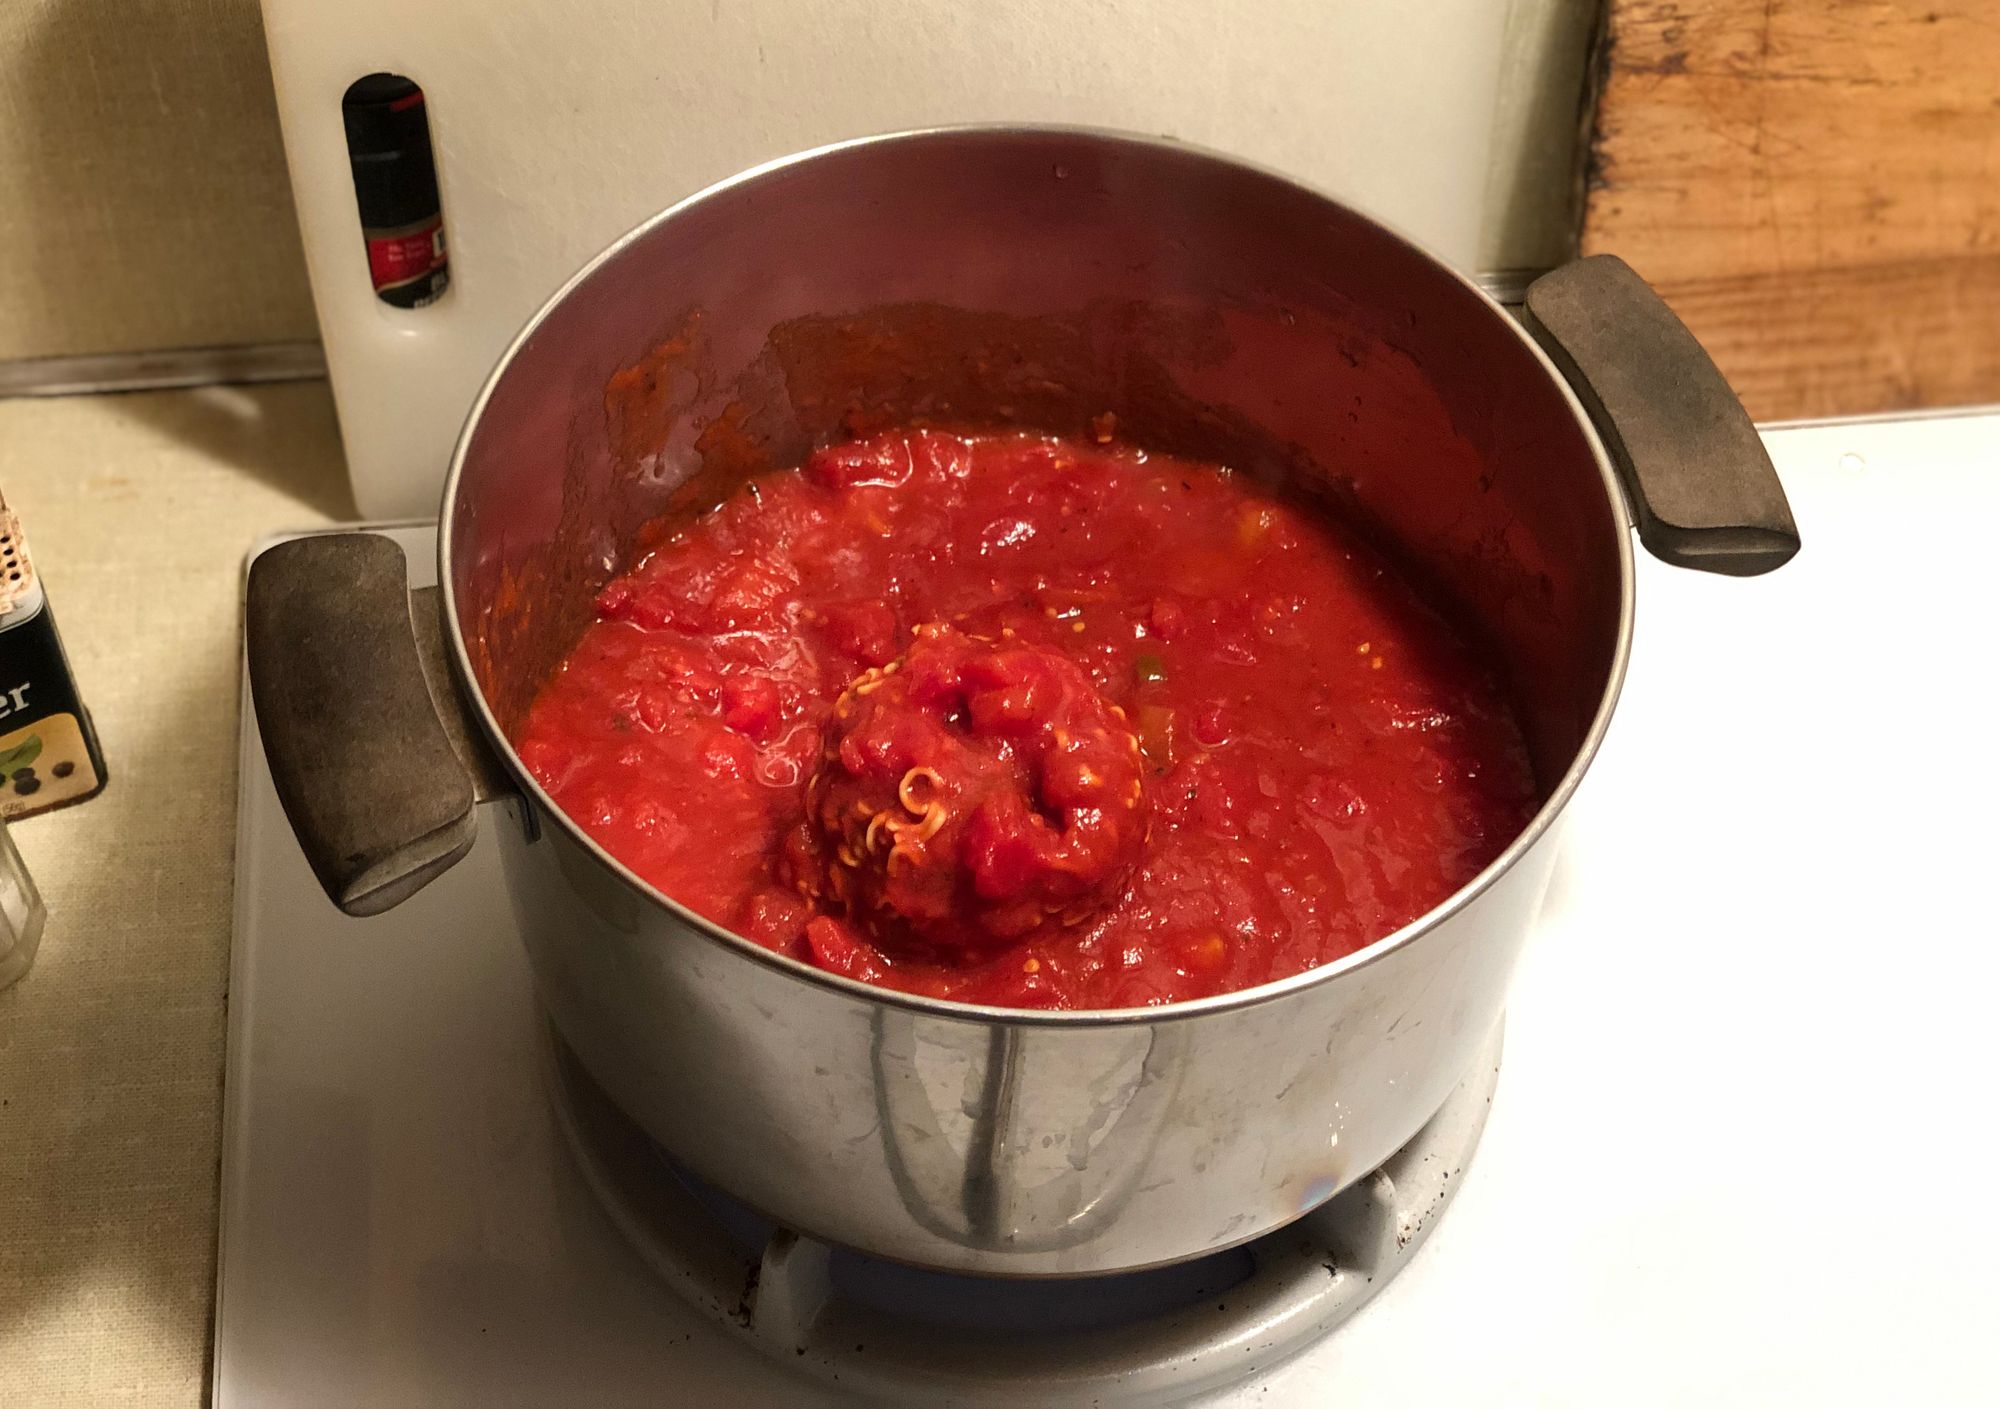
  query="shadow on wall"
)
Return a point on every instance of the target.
[
  {"x": 144, "y": 203},
  {"x": 143, "y": 195},
  {"x": 1534, "y": 192}
]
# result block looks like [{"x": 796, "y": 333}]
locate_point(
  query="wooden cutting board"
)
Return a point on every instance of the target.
[{"x": 1815, "y": 186}]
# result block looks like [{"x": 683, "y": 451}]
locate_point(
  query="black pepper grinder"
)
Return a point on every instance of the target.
[{"x": 395, "y": 184}]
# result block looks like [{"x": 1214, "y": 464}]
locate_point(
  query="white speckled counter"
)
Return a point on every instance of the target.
[{"x": 139, "y": 510}]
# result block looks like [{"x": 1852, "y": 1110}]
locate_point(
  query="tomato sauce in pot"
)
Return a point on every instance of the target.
[{"x": 1014, "y": 720}]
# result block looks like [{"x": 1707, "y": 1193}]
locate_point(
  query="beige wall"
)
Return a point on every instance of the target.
[
  {"x": 1534, "y": 196},
  {"x": 143, "y": 199}
]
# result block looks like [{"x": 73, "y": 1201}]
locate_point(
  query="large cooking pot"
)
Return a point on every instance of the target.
[{"x": 1016, "y": 276}]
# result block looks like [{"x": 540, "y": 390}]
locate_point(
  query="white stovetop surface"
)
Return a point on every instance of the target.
[{"x": 1739, "y": 1154}]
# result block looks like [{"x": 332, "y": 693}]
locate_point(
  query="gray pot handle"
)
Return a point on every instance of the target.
[
  {"x": 1701, "y": 486},
  {"x": 376, "y": 765}
]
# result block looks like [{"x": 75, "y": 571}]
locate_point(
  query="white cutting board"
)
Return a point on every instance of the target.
[{"x": 558, "y": 124}]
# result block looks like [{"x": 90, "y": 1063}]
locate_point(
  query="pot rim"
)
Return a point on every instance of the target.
[{"x": 951, "y": 1009}]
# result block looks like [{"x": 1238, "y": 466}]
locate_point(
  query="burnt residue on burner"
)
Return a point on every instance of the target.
[{"x": 749, "y": 1299}]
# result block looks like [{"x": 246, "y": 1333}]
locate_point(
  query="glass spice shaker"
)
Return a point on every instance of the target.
[{"x": 22, "y": 914}]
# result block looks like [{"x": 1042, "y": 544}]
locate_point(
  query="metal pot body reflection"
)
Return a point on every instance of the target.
[{"x": 1013, "y": 277}]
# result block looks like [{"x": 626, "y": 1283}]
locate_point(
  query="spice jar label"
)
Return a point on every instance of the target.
[{"x": 45, "y": 764}]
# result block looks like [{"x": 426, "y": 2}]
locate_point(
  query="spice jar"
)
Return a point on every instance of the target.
[{"x": 49, "y": 755}]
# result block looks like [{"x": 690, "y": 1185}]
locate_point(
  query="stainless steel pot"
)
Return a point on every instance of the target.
[{"x": 1007, "y": 276}]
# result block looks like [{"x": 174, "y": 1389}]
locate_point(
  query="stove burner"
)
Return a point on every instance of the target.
[{"x": 900, "y": 1334}]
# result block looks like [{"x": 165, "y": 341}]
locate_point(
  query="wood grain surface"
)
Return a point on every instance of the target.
[{"x": 1814, "y": 185}]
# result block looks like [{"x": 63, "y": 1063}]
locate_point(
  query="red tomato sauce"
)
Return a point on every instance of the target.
[{"x": 1014, "y": 720}]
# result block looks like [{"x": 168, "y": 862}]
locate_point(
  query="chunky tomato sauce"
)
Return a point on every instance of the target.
[{"x": 1013, "y": 720}]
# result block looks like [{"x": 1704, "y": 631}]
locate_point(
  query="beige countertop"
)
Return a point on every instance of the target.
[{"x": 138, "y": 510}]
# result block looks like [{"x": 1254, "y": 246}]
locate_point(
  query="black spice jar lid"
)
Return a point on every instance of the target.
[{"x": 389, "y": 146}]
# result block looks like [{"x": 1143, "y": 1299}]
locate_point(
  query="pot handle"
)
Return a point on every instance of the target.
[
  {"x": 377, "y": 765},
  {"x": 1700, "y": 483}
]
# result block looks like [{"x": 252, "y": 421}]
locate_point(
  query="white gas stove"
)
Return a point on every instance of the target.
[{"x": 1736, "y": 1151}]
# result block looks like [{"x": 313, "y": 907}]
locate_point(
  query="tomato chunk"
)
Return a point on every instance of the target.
[{"x": 1031, "y": 721}]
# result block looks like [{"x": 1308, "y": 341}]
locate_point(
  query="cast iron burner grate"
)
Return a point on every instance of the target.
[{"x": 904, "y": 1335}]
